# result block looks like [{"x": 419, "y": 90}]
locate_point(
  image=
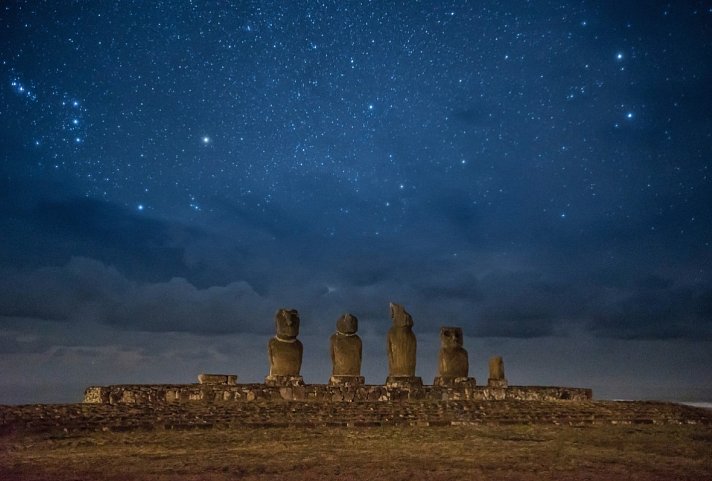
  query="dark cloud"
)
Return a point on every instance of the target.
[
  {"x": 14, "y": 344},
  {"x": 87, "y": 290},
  {"x": 231, "y": 276},
  {"x": 47, "y": 223},
  {"x": 655, "y": 310}
]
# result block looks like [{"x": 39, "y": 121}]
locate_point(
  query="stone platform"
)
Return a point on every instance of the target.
[
  {"x": 68, "y": 418},
  {"x": 143, "y": 394}
]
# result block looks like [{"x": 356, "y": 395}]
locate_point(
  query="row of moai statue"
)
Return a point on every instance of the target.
[{"x": 285, "y": 354}]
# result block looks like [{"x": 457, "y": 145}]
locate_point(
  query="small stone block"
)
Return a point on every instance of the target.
[
  {"x": 229, "y": 379},
  {"x": 299, "y": 393},
  {"x": 286, "y": 393},
  {"x": 407, "y": 382},
  {"x": 280, "y": 381},
  {"x": 442, "y": 381},
  {"x": 501, "y": 383},
  {"x": 347, "y": 381}
]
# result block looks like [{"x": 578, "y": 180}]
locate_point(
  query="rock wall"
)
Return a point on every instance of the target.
[
  {"x": 68, "y": 418},
  {"x": 215, "y": 393}
]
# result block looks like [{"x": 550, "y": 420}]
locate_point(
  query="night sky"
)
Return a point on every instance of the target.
[{"x": 538, "y": 173}]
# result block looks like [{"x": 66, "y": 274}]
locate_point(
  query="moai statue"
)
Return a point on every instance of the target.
[
  {"x": 401, "y": 349},
  {"x": 345, "y": 347},
  {"x": 496, "y": 372},
  {"x": 453, "y": 364},
  {"x": 285, "y": 351}
]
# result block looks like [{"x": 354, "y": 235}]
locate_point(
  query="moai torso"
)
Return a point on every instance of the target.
[
  {"x": 496, "y": 368},
  {"x": 346, "y": 347},
  {"x": 496, "y": 373},
  {"x": 401, "y": 343},
  {"x": 453, "y": 361},
  {"x": 285, "y": 350}
]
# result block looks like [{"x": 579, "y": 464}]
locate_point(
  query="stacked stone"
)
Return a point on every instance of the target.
[
  {"x": 64, "y": 418},
  {"x": 149, "y": 395},
  {"x": 229, "y": 379}
]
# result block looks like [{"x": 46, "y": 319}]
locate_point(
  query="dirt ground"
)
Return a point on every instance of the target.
[{"x": 605, "y": 452}]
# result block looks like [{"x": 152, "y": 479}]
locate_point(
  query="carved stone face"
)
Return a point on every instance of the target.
[
  {"x": 450, "y": 337},
  {"x": 287, "y": 322},
  {"x": 400, "y": 316},
  {"x": 347, "y": 324}
]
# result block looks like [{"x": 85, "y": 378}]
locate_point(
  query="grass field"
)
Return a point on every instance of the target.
[{"x": 524, "y": 452}]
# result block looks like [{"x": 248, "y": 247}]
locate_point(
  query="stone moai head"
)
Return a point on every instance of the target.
[
  {"x": 453, "y": 362},
  {"x": 496, "y": 368},
  {"x": 347, "y": 324},
  {"x": 400, "y": 316},
  {"x": 450, "y": 337},
  {"x": 287, "y": 323}
]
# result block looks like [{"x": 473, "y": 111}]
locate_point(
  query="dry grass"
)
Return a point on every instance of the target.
[{"x": 386, "y": 453}]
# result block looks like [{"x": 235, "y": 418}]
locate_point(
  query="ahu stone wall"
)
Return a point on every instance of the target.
[{"x": 225, "y": 393}]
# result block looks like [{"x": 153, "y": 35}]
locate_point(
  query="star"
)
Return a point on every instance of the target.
[{"x": 206, "y": 139}]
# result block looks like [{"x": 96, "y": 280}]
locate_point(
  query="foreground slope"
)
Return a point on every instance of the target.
[{"x": 484, "y": 440}]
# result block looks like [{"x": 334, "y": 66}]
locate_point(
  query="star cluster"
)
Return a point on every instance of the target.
[{"x": 381, "y": 103}]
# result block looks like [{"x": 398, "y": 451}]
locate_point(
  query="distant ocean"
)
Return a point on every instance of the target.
[{"x": 699, "y": 405}]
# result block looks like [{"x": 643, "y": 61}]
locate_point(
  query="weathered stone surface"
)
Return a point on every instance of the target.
[
  {"x": 97, "y": 395},
  {"x": 149, "y": 395},
  {"x": 273, "y": 380},
  {"x": 284, "y": 349},
  {"x": 345, "y": 348},
  {"x": 401, "y": 344},
  {"x": 346, "y": 380},
  {"x": 262, "y": 412},
  {"x": 454, "y": 381},
  {"x": 452, "y": 360},
  {"x": 217, "y": 379},
  {"x": 404, "y": 382},
  {"x": 496, "y": 373}
]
